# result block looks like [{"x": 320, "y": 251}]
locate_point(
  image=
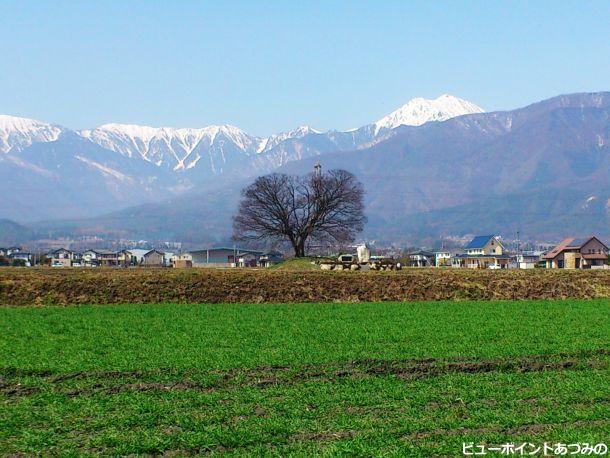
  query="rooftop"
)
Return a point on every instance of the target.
[
  {"x": 479, "y": 242},
  {"x": 570, "y": 243}
]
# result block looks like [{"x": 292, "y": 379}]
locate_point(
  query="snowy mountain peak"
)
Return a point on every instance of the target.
[
  {"x": 265, "y": 144},
  {"x": 165, "y": 144},
  {"x": 304, "y": 130},
  {"x": 419, "y": 111},
  {"x": 18, "y": 133},
  {"x": 219, "y": 148}
]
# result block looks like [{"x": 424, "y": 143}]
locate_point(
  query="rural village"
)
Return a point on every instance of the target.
[{"x": 482, "y": 252}]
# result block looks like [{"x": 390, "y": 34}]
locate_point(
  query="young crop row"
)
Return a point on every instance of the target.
[{"x": 377, "y": 379}]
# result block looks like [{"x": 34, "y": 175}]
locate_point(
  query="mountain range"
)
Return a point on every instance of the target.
[
  {"x": 52, "y": 172},
  {"x": 432, "y": 168}
]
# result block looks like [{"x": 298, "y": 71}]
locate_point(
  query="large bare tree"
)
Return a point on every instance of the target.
[{"x": 325, "y": 207}]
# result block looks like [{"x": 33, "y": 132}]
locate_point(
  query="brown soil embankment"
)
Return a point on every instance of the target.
[{"x": 142, "y": 286}]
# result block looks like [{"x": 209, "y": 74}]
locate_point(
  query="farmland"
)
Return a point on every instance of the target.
[
  {"x": 147, "y": 286},
  {"x": 408, "y": 379}
]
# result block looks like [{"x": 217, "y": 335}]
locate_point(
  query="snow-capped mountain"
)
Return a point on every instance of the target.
[
  {"x": 124, "y": 164},
  {"x": 269, "y": 143},
  {"x": 419, "y": 111},
  {"x": 220, "y": 148},
  {"x": 184, "y": 149},
  {"x": 19, "y": 133},
  {"x": 549, "y": 176},
  {"x": 178, "y": 149},
  {"x": 551, "y": 159}
]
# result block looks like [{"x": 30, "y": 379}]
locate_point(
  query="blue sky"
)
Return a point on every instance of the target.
[{"x": 274, "y": 65}]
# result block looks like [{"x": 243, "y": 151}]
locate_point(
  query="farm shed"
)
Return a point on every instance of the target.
[{"x": 221, "y": 257}]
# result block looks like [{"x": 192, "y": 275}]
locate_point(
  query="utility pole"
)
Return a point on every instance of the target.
[{"x": 519, "y": 258}]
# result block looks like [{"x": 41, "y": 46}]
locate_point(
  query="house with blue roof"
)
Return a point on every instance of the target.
[{"x": 483, "y": 252}]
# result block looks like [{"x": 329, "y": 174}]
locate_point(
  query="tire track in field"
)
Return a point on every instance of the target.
[
  {"x": 18, "y": 383},
  {"x": 532, "y": 428}
]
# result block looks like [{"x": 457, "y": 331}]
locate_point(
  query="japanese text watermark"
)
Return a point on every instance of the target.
[{"x": 529, "y": 449}]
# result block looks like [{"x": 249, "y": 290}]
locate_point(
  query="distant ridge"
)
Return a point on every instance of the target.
[
  {"x": 543, "y": 170},
  {"x": 12, "y": 233},
  {"x": 50, "y": 171}
]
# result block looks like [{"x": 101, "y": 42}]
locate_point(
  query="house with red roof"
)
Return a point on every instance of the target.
[{"x": 577, "y": 253}]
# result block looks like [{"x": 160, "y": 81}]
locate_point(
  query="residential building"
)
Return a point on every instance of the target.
[
  {"x": 421, "y": 258},
  {"x": 21, "y": 258},
  {"x": 443, "y": 258},
  {"x": 182, "y": 261},
  {"x": 137, "y": 255},
  {"x": 525, "y": 260},
  {"x": 577, "y": 253},
  {"x": 126, "y": 258},
  {"x": 483, "y": 252},
  {"x": 270, "y": 258},
  {"x": 169, "y": 258},
  {"x": 61, "y": 257},
  {"x": 154, "y": 258},
  {"x": 246, "y": 260},
  {"x": 11, "y": 250},
  {"x": 101, "y": 258}
]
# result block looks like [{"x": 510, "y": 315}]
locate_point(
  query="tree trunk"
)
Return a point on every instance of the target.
[{"x": 299, "y": 249}]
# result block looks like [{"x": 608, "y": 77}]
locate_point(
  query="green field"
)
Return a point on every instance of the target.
[{"x": 412, "y": 379}]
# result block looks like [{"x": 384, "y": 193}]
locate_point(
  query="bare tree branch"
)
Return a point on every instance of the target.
[{"x": 323, "y": 207}]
